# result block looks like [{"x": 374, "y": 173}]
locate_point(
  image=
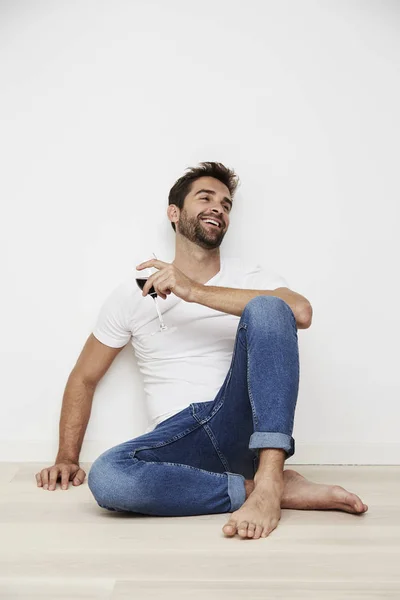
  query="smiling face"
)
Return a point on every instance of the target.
[{"x": 204, "y": 218}]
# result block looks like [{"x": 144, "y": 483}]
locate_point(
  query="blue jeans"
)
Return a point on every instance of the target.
[{"x": 196, "y": 461}]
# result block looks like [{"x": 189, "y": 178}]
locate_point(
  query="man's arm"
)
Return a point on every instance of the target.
[
  {"x": 230, "y": 300},
  {"x": 92, "y": 364},
  {"x": 233, "y": 300}
]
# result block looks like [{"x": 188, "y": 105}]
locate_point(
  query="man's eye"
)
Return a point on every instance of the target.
[{"x": 226, "y": 207}]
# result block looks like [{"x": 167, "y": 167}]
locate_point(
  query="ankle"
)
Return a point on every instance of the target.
[
  {"x": 249, "y": 486},
  {"x": 265, "y": 478}
]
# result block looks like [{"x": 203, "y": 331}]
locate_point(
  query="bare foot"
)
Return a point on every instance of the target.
[
  {"x": 301, "y": 494},
  {"x": 298, "y": 493},
  {"x": 260, "y": 513}
]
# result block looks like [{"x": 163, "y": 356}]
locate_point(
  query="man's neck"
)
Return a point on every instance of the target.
[{"x": 195, "y": 262}]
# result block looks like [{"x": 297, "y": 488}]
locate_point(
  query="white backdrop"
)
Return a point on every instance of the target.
[{"x": 105, "y": 104}]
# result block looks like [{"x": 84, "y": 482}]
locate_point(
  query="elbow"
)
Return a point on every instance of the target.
[{"x": 305, "y": 317}]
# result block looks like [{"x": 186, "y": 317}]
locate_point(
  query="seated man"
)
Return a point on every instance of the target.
[{"x": 221, "y": 381}]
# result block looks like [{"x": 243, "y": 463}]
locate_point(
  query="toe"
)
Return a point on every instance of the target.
[
  {"x": 242, "y": 529},
  {"x": 358, "y": 504},
  {"x": 230, "y": 528},
  {"x": 258, "y": 532},
  {"x": 251, "y": 529},
  {"x": 349, "y": 499}
]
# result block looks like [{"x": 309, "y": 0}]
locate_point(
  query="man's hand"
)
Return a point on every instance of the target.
[
  {"x": 168, "y": 279},
  {"x": 67, "y": 470}
]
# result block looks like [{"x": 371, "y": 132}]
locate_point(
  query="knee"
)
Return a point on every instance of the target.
[
  {"x": 116, "y": 486},
  {"x": 100, "y": 481},
  {"x": 262, "y": 309}
]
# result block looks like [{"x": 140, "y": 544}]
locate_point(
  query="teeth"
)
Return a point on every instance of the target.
[{"x": 211, "y": 221}]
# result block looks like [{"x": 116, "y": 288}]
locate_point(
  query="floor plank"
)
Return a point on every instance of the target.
[{"x": 61, "y": 544}]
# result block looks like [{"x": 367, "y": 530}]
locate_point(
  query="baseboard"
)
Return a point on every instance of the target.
[{"x": 306, "y": 454}]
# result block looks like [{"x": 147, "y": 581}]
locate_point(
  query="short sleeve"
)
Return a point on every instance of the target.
[
  {"x": 263, "y": 278},
  {"x": 114, "y": 322}
]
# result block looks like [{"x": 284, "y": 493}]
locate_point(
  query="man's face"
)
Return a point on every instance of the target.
[{"x": 208, "y": 199}]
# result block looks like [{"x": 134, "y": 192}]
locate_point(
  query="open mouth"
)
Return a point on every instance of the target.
[{"x": 212, "y": 223}]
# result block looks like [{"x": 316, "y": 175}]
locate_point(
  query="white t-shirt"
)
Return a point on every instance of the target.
[{"x": 189, "y": 364}]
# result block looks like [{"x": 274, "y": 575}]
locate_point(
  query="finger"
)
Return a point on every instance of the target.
[
  {"x": 79, "y": 477},
  {"x": 158, "y": 264},
  {"x": 38, "y": 479},
  {"x": 53, "y": 477},
  {"x": 155, "y": 282},
  {"x": 152, "y": 281},
  {"x": 64, "y": 478},
  {"x": 159, "y": 286},
  {"x": 163, "y": 286},
  {"x": 148, "y": 284},
  {"x": 45, "y": 478}
]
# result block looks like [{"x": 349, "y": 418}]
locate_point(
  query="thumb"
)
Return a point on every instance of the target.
[{"x": 79, "y": 477}]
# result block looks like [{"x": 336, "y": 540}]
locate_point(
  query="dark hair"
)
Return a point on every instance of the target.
[{"x": 183, "y": 186}]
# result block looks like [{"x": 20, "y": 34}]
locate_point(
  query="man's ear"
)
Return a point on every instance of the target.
[{"x": 173, "y": 213}]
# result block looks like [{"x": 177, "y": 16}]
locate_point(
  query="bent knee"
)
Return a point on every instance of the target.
[
  {"x": 113, "y": 487},
  {"x": 270, "y": 305},
  {"x": 98, "y": 478}
]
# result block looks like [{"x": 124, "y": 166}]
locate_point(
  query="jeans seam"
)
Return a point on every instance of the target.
[
  {"x": 170, "y": 441},
  {"x": 218, "y": 451},
  {"x": 217, "y": 408},
  {"x": 164, "y": 462},
  {"x": 255, "y": 420}
]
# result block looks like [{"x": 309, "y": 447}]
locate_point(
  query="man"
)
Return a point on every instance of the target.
[{"x": 221, "y": 384}]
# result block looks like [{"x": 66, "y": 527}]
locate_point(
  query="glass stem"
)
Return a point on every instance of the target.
[{"x": 163, "y": 326}]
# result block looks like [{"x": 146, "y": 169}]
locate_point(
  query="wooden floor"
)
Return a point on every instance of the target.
[{"x": 61, "y": 544}]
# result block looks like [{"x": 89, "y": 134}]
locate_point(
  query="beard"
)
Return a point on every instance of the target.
[{"x": 193, "y": 229}]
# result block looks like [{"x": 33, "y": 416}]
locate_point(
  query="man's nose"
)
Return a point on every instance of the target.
[{"x": 217, "y": 210}]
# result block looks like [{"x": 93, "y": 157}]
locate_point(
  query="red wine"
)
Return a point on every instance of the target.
[{"x": 141, "y": 281}]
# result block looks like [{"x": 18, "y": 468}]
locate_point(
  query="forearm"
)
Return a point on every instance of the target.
[
  {"x": 75, "y": 413},
  {"x": 233, "y": 300}
]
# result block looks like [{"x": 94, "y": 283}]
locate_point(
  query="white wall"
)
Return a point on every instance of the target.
[{"x": 103, "y": 105}]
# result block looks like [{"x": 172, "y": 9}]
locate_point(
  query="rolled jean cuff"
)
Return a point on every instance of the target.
[
  {"x": 236, "y": 490},
  {"x": 265, "y": 439}
]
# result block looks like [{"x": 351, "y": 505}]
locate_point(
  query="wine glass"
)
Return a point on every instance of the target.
[{"x": 141, "y": 281}]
